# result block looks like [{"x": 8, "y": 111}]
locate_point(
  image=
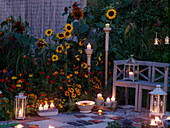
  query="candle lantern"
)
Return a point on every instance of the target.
[
  {"x": 89, "y": 52},
  {"x": 131, "y": 70},
  {"x": 157, "y": 101},
  {"x": 20, "y": 106}
]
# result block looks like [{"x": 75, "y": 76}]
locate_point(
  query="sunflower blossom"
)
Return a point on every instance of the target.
[
  {"x": 111, "y": 13},
  {"x": 48, "y": 32}
]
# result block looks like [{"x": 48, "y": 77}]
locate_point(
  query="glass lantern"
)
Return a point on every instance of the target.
[
  {"x": 20, "y": 106},
  {"x": 131, "y": 70},
  {"x": 157, "y": 102}
]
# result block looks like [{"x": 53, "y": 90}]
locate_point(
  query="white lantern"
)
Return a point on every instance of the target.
[
  {"x": 20, "y": 106},
  {"x": 157, "y": 102},
  {"x": 131, "y": 70}
]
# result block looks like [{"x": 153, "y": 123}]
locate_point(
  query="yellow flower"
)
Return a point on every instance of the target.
[
  {"x": 55, "y": 73},
  {"x": 48, "y": 32},
  {"x": 77, "y": 57},
  {"x": 73, "y": 95},
  {"x": 30, "y": 75},
  {"x": 100, "y": 98},
  {"x": 99, "y": 58},
  {"x": 67, "y": 45},
  {"x": 84, "y": 65},
  {"x": 81, "y": 43},
  {"x": 60, "y": 49},
  {"x": 60, "y": 106},
  {"x": 70, "y": 89},
  {"x": 80, "y": 51},
  {"x": 67, "y": 93},
  {"x": 77, "y": 89},
  {"x": 60, "y": 35},
  {"x": 67, "y": 34},
  {"x": 78, "y": 85},
  {"x": 68, "y": 85},
  {"x": 111, "y": 13},
  {"x": 62, "y": 73},
  {"x": 54, "y": 57},
  {"x": 18, "y": 85},
  {"x": 19, "y": 81},
  {"x": 41, "y": 43},
  {"x": 86, "y": 76},
  {"x": 51, "y": 101},
  {"x": 14, "y": 78},
  {"x": 76, "y": 72},
  {"x": 68, "y": 27},
  {"x": 68, "y": 77}
]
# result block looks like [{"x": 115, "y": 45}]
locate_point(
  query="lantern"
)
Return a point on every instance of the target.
[
  {"x": 157, "y": 101},
  {"x": 131, "y": 70},
  {"x": 20, "y": 106}
]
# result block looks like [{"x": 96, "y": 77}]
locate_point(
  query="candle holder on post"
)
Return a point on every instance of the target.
[
  {"x": 89, "y": 52},
  {"x": 107, "y": 30}
]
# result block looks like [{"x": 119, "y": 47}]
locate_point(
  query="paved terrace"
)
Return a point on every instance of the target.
[{"x": 90, "y": 120}]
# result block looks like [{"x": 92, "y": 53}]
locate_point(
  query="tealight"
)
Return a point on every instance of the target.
[{"x": 100, "y": 112}]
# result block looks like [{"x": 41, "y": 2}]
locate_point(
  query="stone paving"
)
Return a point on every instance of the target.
[{"x": 89, "y": 120}]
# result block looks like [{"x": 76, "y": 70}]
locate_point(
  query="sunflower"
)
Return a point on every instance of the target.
[
  {"x": 84, "y": 65},
  {"x": 67, "y": 93},
  {"x": 77, "y": 13},
  {"x": 68, "y": 27},
  {"x": 48, "y": 32},
  {"x": 67, "y": 45},
  {"x": 41, "y": 43},
  {"x": 73, "y": 95},
  {"x": 14, "y": 78},
  {"x": 86, "y": 76},
  {"x": 80, "y": 51},
  {"x": 54, "y": 57},
  {"x": 70, "y": 89},
  {"x": 67, "y": 34},
  {"x": 77, "y": 57},
  {"x": 81, "y": 43},
  {"x": 30, "y": 75},
  {"x": 78, "y": 85},
  {"x": 60, "y": 35},
  {"x": 60, "y": 49},
  {"x": 76, "y": 72},
  {"x": 111, "y": 13}
]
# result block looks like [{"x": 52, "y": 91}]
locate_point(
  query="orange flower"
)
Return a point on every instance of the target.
[{"x": 4, "y": 71}]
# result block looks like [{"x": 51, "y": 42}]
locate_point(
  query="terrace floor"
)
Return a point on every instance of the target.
[{"x": 89, "y": 120}]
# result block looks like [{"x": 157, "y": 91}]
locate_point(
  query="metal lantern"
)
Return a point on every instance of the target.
[
  {"x": 20, "y": 106},
  {"x": 157, "y": 102},
  {"x": 131, "y": 70}
]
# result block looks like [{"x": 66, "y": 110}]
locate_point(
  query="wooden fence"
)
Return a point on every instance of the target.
[{"x": 40, "y": 14}]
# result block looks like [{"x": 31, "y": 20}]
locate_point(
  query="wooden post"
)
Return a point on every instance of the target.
[
  {"x": 107, "y": 30},
  {"x": 114, "y": 80}
]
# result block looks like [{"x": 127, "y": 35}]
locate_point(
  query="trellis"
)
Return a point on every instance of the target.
[{"x": 40, "y": 14}]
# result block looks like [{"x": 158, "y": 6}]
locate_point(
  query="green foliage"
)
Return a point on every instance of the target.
[{"x": 114, "y": 124}]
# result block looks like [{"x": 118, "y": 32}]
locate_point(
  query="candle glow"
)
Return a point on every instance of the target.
[
  {"x": 167, "y": 40},
  {"x": 40, "y": 107},
  {"x": 108, "y": 99},
  {"x": 88, "y": 46},
  {"x": 113, "y": 98},
  {"x": 131, "y": 75},
  {"x": 50, "y": 126},
  {"x": 19, "y": 126},
  {"x": 153, "y": 123},
  {"x": 20, "y": 114},
  {"x": 107, "y": 25},
  {"x": 46, "y": 106},
  {"x": 52, "y": 105},
  {"x": 100, "y": 112}
]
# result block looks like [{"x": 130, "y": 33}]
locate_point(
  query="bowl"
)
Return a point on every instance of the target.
[{"x": 85, "y": 106}]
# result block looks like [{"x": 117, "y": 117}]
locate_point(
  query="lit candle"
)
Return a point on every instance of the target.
[
  {"x": 20, "y": 114},
  {"x": 131, "y": 75},
  {"x": 156, "y": 40},
  {"x": 50, "y": 126},
  {"x": 157, "y": 120},
  {"x": 52, "y": 106},
  {"x": 153, "y": 123},
  {"x": 113, "y": 98},
  {"x": 107, "y": 25},
  {"x": 100, "y": 112},
  {"x": 108, "y": 99},
  {"x": 40, "y": 107},
  {"x": 167, "y": 40},
  {"x": 19, "y": 126},
  {"x": 99, "y": 96},
  {"x": 88, "y": 46},
  {"x": 46, "y": 106},
  {"x": 168, "y": 118}
]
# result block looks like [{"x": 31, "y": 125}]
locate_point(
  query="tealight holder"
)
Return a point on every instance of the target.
[{"x": 99, "y": 102}]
